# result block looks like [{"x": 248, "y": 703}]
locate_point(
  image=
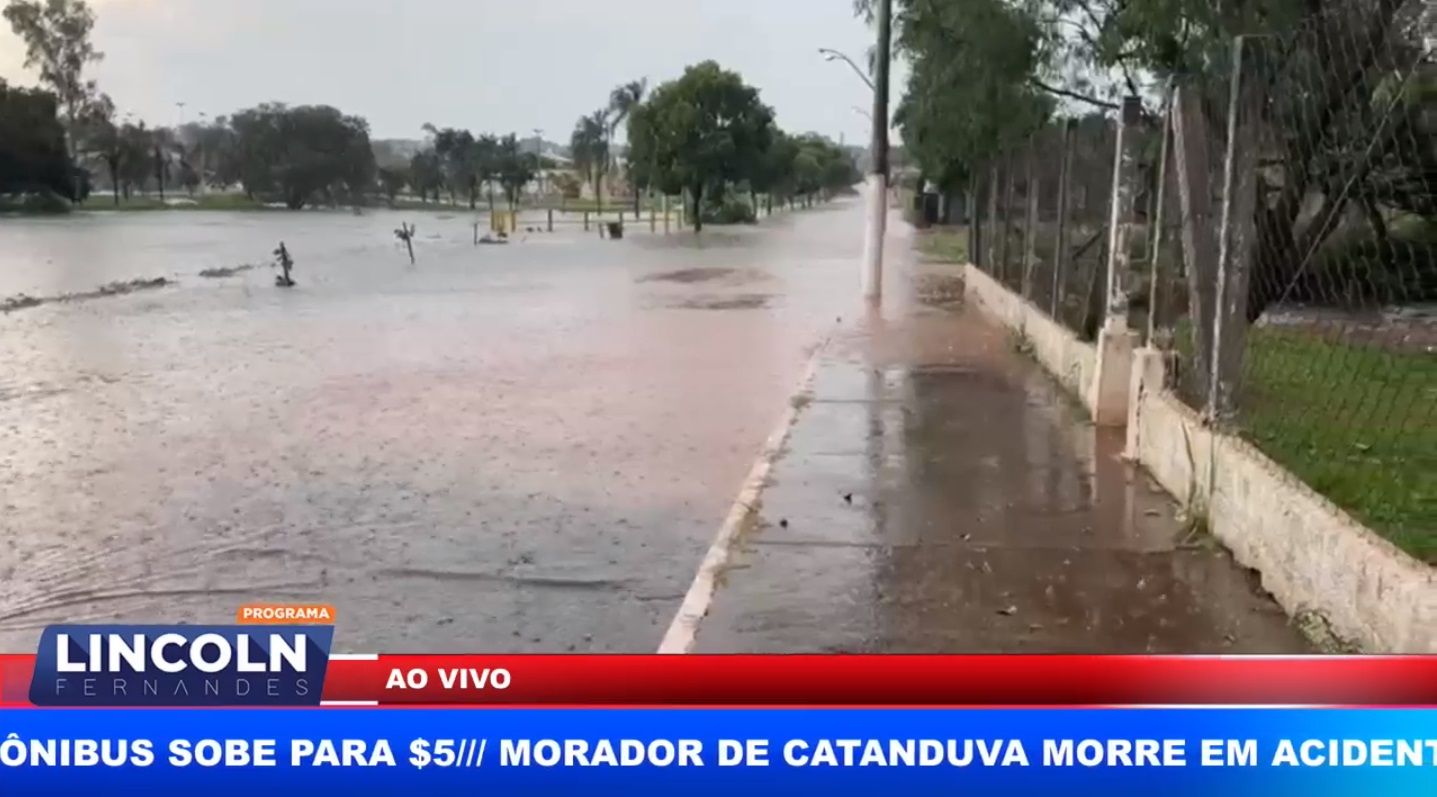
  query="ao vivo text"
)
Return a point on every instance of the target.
[{"x": 462, "y": 678}]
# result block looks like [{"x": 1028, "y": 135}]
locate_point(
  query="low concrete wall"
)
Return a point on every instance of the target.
[
  {"x": 1314, "y": 558},
  {"x": 1071, "y": 360}
]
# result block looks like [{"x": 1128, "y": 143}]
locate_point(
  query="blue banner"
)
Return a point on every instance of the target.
[{"x": 1232, "y": 752}]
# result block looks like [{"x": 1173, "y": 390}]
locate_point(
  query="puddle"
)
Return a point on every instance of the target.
[
  {"x": 709, "y": 274},
  {"x": 747, "y": 301}
]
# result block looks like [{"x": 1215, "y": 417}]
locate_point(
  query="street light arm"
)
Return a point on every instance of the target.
[{"x": 832, "y": 54}]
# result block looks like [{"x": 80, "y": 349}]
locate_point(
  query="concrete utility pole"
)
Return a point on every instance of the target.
[{"x": 878, "y": 177}]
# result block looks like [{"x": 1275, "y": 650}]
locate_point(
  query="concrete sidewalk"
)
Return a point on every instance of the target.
[{"x": 939, "y": 493}]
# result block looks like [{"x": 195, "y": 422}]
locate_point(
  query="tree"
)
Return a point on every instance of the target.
[
  {"x": 391, "y": 182},
  {"x": 302, "y": 152},
  {"x": 426, "y": 174},
  {"x": 486, "y": 163},
  {"x": 775, "y": 175},
  {"x": 162, "y": 143},
  {"x": 622, "y": 102},
  {"x": 704, "y": 130},
  {"x": 589, "y": 147},
  {"x": 516, "y": 169},
  {"x": 136, "y": 144},
  {"x": 457, "y": 157},
  {"x": 33, "y": 157},
  {"x": 107, "y": 145},
  {"x": 973, "y": 85},
  {"x": 57, "y": 41}
]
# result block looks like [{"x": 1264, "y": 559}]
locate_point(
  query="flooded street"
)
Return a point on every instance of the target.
[
  {"x": 521, "y": 447},
  {"x": 530, "y": 447}
]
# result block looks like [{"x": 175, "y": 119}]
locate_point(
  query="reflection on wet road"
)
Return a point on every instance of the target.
[
  {"x": 520, "y": 448},
  {"x": 938, "y": 493}
]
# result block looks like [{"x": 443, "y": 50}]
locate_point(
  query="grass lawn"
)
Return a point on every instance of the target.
[
  {"x": 945, "y": 243},
  {"x": 1357, "y": 423}
]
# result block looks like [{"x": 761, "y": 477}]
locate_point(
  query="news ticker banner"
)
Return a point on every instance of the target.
[
  {"x": 695, "y": 752},
  {"x": 264, "y": 704}
]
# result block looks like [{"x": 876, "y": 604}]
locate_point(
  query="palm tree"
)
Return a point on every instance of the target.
[
  {"x": 589, "y": 146},
  {"x": 162, "y": 139},
  {"x": 622, "y": 102}
]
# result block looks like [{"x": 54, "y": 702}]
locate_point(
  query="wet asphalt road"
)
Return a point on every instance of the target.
[
  {"x": 939, "y": 493},
  {"x": 521, "y": 448}
]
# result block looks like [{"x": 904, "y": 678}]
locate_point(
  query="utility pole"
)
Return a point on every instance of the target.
[{"x": 878, "y": 177}]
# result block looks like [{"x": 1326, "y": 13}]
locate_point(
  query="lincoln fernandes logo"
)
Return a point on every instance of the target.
[{"x": 177, "y": 665}]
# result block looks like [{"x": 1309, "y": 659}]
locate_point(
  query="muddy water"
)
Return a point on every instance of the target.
[{"x": 522, "y": 447}]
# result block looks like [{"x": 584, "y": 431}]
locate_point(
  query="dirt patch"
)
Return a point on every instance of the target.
[
  {"x": 216, "y": 273},
  {"x": 21, "y": 301}
]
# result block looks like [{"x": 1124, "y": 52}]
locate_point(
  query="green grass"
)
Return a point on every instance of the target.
[
  {"x": 1358, "y": 424},
  {"x": 949, "y": 243}
]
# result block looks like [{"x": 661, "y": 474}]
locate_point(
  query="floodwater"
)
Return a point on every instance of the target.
[
  {"x": 529, "y": 447},
  {"x": 520, "y": 448}
]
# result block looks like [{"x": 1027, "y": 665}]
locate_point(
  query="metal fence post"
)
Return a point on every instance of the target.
[
  {"x": 1120, "y": 224},
  {"x": 1237, "y": 233},
  {"x": 990, "y": 254},
  {"x": 975, "y": 230},
  {"x": 1005, "y": 223},
  {"x": 1156, "y": 219},
  {"x": 1192, "y": 159},
  {"x": 1061, "y": 255},
  {"x": 1112, "y": 383},
  {"x": 1030, "y": 219}
]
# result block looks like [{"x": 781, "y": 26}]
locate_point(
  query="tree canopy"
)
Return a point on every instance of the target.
[
  {"x": 33, "y": 158},
  {"x": 700, "y": 132},
  {"x": 301, "y": 152}
]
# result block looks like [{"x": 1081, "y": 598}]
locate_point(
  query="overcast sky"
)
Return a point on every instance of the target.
[{"x": 488, "y": 65}]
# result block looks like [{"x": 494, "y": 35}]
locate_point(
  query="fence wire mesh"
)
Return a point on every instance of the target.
[
  {"x": 1339, "y": 377},
  {"x": 1291, "y": 277},
  {"x": 1333, "y": 257},
  {"x": 1042, "y": 211}
]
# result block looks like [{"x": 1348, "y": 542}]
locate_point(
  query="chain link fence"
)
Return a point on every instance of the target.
[
  {"x": 1281, "y": 247},
  {"x": 1042, "y": 212}
]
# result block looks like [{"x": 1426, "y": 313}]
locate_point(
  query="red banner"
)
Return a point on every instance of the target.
[{"x": 503, "y": 680}]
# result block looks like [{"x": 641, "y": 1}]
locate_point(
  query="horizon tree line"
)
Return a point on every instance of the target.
[{"x": 706, "y": 134}]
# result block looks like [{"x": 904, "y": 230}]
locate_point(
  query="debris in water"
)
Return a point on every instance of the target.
[
  {"x": 22, "y": 301},
  {"x": 215, "y": 273},
  {"x": 1009, "y": 611}
]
